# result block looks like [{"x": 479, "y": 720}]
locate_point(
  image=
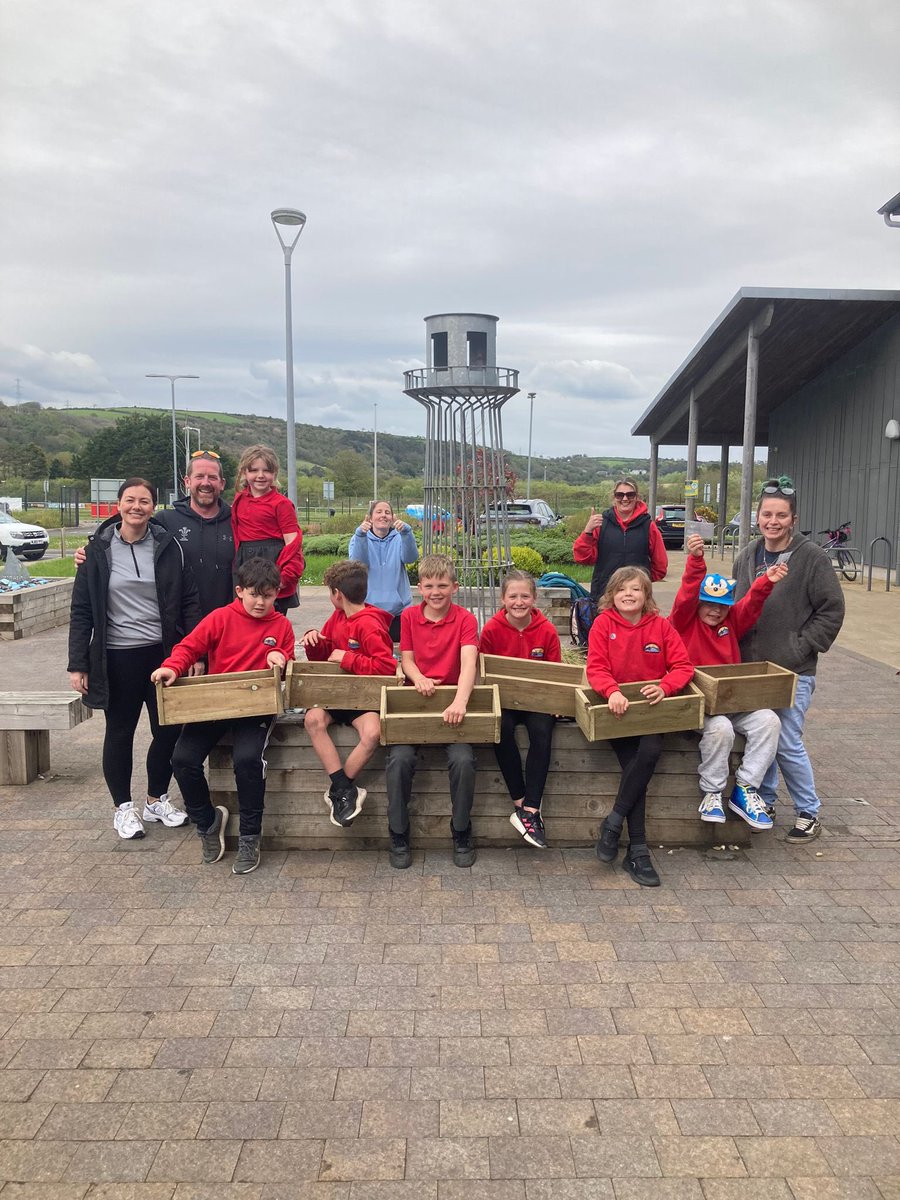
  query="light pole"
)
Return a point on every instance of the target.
[
  {"x": 171, "y": 379},
  {"x": 531, "y": 396},
  {"x": 188, "y": 430},
  {"x": 375, "y": 456},
  {"x": 293, "y": 219}
]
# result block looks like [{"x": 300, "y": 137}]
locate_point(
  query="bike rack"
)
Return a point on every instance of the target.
[{"x": 887, "y": 578}]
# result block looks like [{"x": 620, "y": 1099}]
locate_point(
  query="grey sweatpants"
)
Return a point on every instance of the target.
[
  {"x": 400, "y": 766},
  {"x": 761, "y": 730}
]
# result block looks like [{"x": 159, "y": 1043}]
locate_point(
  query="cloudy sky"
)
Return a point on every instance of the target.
[{"x": 601, "y": 176}]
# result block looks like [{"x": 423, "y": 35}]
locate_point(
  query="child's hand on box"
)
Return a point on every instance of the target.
[
  {"x": 425, "y": 686},
  {"x": 653, "y": 693},
  {"x": 337, "y": 656},
  {"x": 276, "y": 659},
  {"x": 777, "y": 572},
  {"x": 164, "y": 675},
  {"x": 454, "y": 713},
  {"x": 618, "y": 705},
  {"x": 310, "y": 638},
  {"x": 695, "y": 545}
]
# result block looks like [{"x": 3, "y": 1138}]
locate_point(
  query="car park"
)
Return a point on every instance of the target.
[
  {"x": 733, "y": 528},
  {"x": 24, "y": 539},
  {"x": 526, "y": 512},
  {"x": 670, "y": 521}
]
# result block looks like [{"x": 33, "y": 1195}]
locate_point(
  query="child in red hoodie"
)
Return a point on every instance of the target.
[
  {"x": 246, "y": 635},
  {"x": 356, "y": 637},
  {"x": 712, "y": 624},
  {"x": 519, "y": 630},
  {"x": 629, "y": 642}
]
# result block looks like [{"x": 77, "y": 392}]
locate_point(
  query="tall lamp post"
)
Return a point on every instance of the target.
[
  {"x": 171, "y": 379},
  {"x": 531, "y": 396},
  {"x": 293, "y": 219},
  {"x": 188, "y": 430},
  {"x": 375, "y": 456}
]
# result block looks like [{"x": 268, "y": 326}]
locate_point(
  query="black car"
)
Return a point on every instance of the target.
[{"x": 670, "y": 520}]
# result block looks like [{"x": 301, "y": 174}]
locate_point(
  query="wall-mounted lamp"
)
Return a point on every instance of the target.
[{"x": 892, "y": 430}]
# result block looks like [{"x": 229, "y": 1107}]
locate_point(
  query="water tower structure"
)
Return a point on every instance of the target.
[{"x": 463, "y": 392}]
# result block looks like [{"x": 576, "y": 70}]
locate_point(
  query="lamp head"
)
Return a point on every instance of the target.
[{"x": 288, "y": 216}]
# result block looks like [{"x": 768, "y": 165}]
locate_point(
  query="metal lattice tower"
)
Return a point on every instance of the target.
[{"x": 465, "y": 469}]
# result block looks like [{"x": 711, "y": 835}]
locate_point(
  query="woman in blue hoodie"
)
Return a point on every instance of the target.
[{"x": 386, "y": 545}]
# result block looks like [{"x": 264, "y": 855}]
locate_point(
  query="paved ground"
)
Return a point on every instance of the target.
[{"x": 535, "y": 1028}]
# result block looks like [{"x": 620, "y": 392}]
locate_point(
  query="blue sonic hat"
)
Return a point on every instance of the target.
[{"x": 716, "y": 589}]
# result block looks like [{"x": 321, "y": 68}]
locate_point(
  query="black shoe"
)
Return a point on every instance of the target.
[
  {"x": 344, "y": 804},
  {"x": 463, "y": 850},
  {"x": 607, "y": 843},
  {"x": 400, "y": 852},
  {"x": 639, "y": 866},
  {"x": 530, "y": 825}
]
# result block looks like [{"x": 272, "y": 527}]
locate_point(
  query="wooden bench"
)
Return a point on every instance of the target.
[
  {"x": 26, "y": 719},
  {"x": 580, "y": 790}
]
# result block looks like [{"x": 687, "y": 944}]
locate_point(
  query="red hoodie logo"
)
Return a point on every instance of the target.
[
  {"x": 270, "y": 641},
  {"x": 537, "y": 652},
  {"x": 352, "y": 644}
]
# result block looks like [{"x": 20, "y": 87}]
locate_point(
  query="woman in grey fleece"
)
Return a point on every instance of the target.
[{"x": 799, "y": 622}]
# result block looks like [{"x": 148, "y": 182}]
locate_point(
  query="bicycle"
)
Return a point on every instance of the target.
[{"x": 843, "y": 560}]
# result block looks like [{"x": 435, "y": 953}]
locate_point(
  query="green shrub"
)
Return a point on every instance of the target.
[
  {"x": 553, "y": 545},
  {"x": 322, "y": 543},
  {"x": 523, "y": 559}
]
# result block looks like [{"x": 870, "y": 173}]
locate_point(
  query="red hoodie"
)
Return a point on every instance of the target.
[
  {"x": 707, "y": 644},
  {"x": 364, "y": 636},
  {"x": 233, "y": 641},
  {"x": 584, "y": 549},
  {"x": 538, "y": 640},
  {"x": 270, "y": 516},
  {"x": 619, "y": 652}
]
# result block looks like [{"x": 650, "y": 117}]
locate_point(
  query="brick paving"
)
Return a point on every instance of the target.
[{"x": 534, "y": 1028}]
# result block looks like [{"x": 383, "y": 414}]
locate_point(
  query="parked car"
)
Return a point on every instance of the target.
[
  {"x": 526, "y": 512},
  {"x": 733, "y": 528},
  {"x": 25, "y": 541},
  {"x": 670, "y": 520}
]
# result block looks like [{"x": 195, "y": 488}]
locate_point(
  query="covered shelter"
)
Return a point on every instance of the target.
[{"x": 812, "y": 375}]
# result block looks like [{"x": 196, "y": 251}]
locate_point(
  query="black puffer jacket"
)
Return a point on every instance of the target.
[{"x": 179, "y": 604}]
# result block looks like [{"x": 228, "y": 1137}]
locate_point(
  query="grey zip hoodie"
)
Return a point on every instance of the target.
[{"x": 804, "y": 613}]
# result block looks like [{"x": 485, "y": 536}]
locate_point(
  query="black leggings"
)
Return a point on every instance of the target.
[
  {"x": 637, "y": 757},
  {"x": 249, "y": 737},
  {"x": 537, "y": 761},
  {"x": 128, "y": 675}
]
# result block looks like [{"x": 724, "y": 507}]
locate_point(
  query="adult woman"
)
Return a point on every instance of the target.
[
  {"x": 799, "y": 622},
  {"x": 623, "y": 536},
  {"x": 133, "y": 599},
  {"x": 386, "y": 545}
]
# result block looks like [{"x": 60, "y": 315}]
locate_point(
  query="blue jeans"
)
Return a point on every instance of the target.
[{"x": 791, "y": 756}]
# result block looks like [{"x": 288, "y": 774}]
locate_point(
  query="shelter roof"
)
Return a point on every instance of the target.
[{"x": 810, "y": 329}]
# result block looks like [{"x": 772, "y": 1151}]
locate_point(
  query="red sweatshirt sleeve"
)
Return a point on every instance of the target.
[
  {"x": 684, "y": 609},
  {"x": 196, "y": 645},
  {"x": 584, "y": 549},
  {"x": 745, "y": 613},
  {"x": 659, "y": 560},
  {"x": 679, "y": 668},
  {"x": 291, "y": 564},
  {"x": 599, "y": 667},
  {"x": 375, "y": 655}
]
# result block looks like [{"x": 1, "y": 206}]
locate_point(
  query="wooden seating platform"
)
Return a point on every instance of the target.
[
  {"x": 26, "y": 719},
  {"x": 580, "y": 790}
]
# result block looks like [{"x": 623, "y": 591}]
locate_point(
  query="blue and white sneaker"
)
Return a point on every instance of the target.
[
  {"x": 747, "y": 803},
  {"x": 711, "y": 808}
]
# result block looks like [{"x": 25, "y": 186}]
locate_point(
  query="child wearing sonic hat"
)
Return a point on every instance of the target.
[
  {"x": 711, "y": 623},
  {"x": 355, "y": 637},
  {"x": 519, "y": 630}
]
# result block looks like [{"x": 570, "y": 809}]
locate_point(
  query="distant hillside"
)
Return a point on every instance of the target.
[{"x": 64, "y": 431}]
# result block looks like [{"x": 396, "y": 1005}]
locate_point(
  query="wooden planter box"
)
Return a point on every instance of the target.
[
  {"x": 745, "y": 687},
  {"x": 674, "y": 713},
  {"x": 325, "y": 685},
  {"x": 34, "y": 609},
  {"x": 408, "y": 718},
  {"x": 220, "y": 697},
  {"x": 531, "y": 686}
]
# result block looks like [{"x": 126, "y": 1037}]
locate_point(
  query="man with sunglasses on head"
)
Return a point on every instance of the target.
[
  {"x": 201, "y": 522},
  {"x": 623, "y": 536}
]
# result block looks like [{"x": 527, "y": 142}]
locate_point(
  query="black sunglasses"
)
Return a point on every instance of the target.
[
  {"x": 624, "y": 495},
  {"x": 775, "y": 489}
]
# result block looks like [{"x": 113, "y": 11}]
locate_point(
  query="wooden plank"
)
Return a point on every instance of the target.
[
  {"x": 42, "y": 710},
  {"x": 596, "y": 722},
  {"x": 409, "y": 718},
  {"x": 745, "y": 687},
  {"x": 24, "y": 754},
  {"x": 325, "y": 685},
  {"x": 220, "y": 697},
  {"x": 531, "y": 686}
]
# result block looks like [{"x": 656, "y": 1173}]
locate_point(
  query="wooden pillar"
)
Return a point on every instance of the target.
[
  {"x": 723, "y": 498},
  {"x": 654, "y": 477},
  {"x": 749, "y": 443},
  {"x": 693, "y": 421},
  {"x": 24, "y": 754}
]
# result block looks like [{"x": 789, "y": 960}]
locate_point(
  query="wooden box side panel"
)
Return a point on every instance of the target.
[
  {"x": 674, "y": 713},
  {"x": 745, "y": 687},
  {"x": 220, "y": 697},
  {"x": 409, "y": 718}
]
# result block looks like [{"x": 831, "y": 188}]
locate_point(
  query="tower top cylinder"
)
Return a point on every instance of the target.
[{"x": 461, "y": 340}]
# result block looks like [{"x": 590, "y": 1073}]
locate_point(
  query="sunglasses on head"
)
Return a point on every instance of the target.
[
  {"x": 624, "y": 495},
  {"x": 775, "y": 489},
  {"x": 206, "y": 454}
]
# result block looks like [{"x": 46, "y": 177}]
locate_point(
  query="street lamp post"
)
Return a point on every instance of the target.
[
  {"x": 292, "y": 218},
  {"x": 171, "y": 379},
  {"x": 531, "y": 396},
  {"x": 188, "y": 430},
  {"x": 375, "y": 456}
]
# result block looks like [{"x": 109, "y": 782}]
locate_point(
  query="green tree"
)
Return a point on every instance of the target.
[
  {"x": 351, "y": 473},
  {"x": 35, "y": 462},
  {"x": 135, "y": 445}
]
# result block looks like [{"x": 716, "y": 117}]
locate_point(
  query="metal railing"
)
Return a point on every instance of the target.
[{"x": 871, "y": 561}]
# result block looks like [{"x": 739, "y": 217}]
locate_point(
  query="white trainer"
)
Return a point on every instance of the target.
[
  {"x": 164, "y": 810},
  {"x": 127, "y": 824}
]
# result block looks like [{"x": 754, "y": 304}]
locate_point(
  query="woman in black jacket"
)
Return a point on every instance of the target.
[{"x": 133, "y": 599}]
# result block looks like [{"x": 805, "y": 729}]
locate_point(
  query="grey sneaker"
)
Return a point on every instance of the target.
[
  {"x": 213, "y": 840},
  {"x": 806, "y": 828},
  {"x": 247, "y": 858}
]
